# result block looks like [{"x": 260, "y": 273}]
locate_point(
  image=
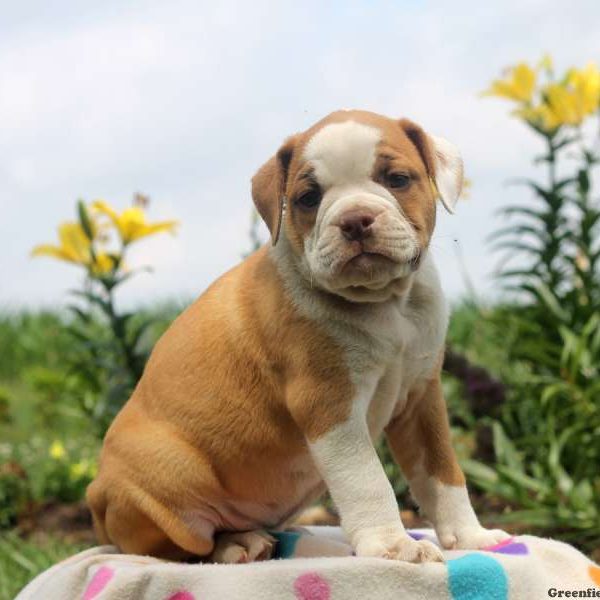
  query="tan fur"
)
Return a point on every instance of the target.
[
  {"x": 209, "y": 422},
  {"x": 420, "y": 434}
]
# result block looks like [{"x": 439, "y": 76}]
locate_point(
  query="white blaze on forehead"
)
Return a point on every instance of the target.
[{"x": 342, "y": 153}]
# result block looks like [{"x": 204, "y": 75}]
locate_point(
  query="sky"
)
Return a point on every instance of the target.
[{"x": 184, "y": 100}]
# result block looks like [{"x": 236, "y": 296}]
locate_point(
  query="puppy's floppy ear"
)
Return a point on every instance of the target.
[
  {"x": 268, "y": 187},
  {"x": 442, "y": 160}
]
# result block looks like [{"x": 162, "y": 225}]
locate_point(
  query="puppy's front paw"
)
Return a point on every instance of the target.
[
  {"x": 470, "y": 538},
  {"x": 383, "y": 542}
]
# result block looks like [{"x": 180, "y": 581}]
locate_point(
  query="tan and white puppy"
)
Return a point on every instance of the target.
[{"x": 276, "y": 382}]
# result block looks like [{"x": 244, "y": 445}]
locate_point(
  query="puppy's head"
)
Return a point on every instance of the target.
[{"x": 359, "y": 191}]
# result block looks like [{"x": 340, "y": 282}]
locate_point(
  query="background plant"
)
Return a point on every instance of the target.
[
  {"x": 41, "y": 409},
  {"x": 556, "y": 231},
  {"x": 547, "y": 437},
  {"x": 111, "y": 353}
]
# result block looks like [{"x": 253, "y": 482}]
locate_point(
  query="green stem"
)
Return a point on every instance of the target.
[
  {"x": 554, "y": 212},
  {"x": 551, "y": 161},
  {"x": 586, "y": 270},
  {"x": 120, "y": 334}
]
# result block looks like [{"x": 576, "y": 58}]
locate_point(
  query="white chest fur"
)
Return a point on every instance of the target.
[{"x": 396, "y": 343}]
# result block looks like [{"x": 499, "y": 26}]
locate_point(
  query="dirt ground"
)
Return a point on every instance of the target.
[{"x": 73, "y": 523}]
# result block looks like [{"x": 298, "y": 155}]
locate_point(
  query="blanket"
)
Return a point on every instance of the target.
[{"x": 316, "y": 563}]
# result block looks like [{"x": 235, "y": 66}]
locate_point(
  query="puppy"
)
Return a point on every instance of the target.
[{"x": 275, "y": 383}]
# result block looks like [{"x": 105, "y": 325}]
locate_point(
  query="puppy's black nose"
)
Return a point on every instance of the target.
[{"x": 356, "y": 226}]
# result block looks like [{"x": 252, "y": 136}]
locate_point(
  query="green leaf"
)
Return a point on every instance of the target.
[
  {"x": 563, "y": 143},
  {"x": 140, "y": 330},
  {"x": 582, "y": 495},
  {"x": 508, "y": 273},
  {"x": 85, "y": 317},
  {"x": 520, "y": 210},
  {"x": 546, "y": 296},
  {"x": 552, "y": 391},
  {"x": 84, "y": 220},
  {"x": 131, "y": 274},
  {"x": 477, "y": 470},
  {"x": 504, "y": 448},
  {"x": 521, "y": 246},
  {"x": 522, "y": 479},
  {"x": 94, "y": 299},
  {"x": 583, "y": 181},
  {"x": 534, "y": 517},
  {"x": 515, "y": 230}
]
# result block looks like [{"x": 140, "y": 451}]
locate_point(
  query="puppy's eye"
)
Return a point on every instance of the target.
[
  {"x": 398, "y": 180},
  {"x": 309, "y": 200}
]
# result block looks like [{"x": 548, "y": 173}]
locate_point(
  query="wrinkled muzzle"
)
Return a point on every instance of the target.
[{"x": 361, "y": 239}]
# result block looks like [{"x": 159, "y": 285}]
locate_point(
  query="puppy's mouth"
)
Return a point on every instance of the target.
[
  {"x": 371, "y": 273},
  {"x": 367, "y": 261}
]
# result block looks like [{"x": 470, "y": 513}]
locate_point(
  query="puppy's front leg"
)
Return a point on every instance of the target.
[
  {"x": 349, "y": 465},
  {"x": 420, "y": 441}
]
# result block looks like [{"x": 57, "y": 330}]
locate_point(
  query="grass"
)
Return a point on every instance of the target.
[{"x": 22, "y": 560}]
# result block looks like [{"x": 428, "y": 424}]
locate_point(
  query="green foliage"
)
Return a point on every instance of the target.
[
  {"x": 546, "y": 439},
  {"x": 109, "y": 347},
  {"x": 546, "y": 496},
  {"x": 45, "y": 400},
  {"x": 4, "y": 407},
  {"x": 14, "y": 495},
  {"x": 31, "y": 338},
  {"x": 22, "y": 560},
  {"x": 558, "y": 235},
  {"x": 40, "y": 470}
]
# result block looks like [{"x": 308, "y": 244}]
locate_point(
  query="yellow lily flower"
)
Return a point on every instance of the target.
[
  {"x": 566, "y": 103},
  {"x": 131, "y": 223},
  {"x": 103, "y": 264},
  {"x": 563, "y": 103},
  {"x": 540, "y": 116},
  {"x": 585, "y": 84},
  {"x": 75, "y": 247},
  {"x": 57, "y": 450},
  {"x": 557, "y": 103},
  {"x": 519, "y": 84}
]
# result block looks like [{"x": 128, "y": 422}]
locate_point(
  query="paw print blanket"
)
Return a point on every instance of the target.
[{"x": 316, "y": 563}]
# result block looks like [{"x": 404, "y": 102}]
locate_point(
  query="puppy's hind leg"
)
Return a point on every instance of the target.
[
  {"x": 147, "y": 527},
  {"x": 235, "y": 547}
]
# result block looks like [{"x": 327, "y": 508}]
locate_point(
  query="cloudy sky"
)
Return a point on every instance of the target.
[{"x": 184, "y": 100}]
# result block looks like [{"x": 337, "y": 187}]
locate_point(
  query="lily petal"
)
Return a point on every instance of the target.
[
  {"x": 103, "y": 264},
  {"x": 151, "y": 229},
  {"x": 53, "y": 251},
  {"x": 75, "y": 242}
]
